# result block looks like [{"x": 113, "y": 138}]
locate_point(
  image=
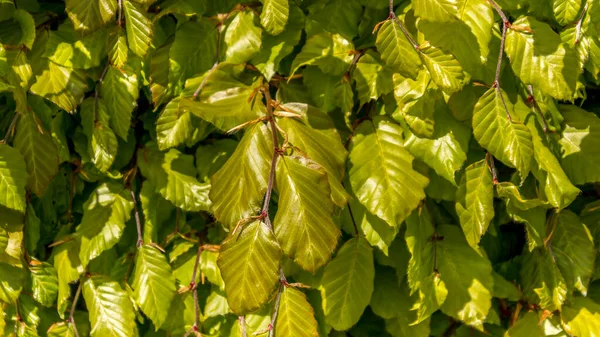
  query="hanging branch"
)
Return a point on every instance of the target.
[
  {"x": 505, "y": 25},
  {"x": 72, "y": 312},
  {"x": 399, "y": 23},
  {"x": 492, "y": 165}
]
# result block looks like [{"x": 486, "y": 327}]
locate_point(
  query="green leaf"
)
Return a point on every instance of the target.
[
  {"x": 119, "y": 90},
  {"x": 447, "y": 151},
  {"x": 437, "y": 11},
  {"x": 419, "y": 231},
  {"x": 156, "y": 209},
  {"x": 296, "y": 316},
  {"x": 243, "y": 37},
  {"x": 66, "y": 48},
  {"x": 376, "y": 231},
  {"x": 275, "y": 48},
  {"x": 238, "y": 188},
  {"x": 44, "y": 282},
  {"x": 397, "y": 52},
  {"x": 337, "y": 17},
  {"x": 540, "y": 56},
  {"x": 330, "y": 52},
  {"x": 89, "y": 16},
  {"x": 579, "y": 139},
  {"x": 35, "y": 144},
  {"x": 565, "y": 11},
  {"x": 315, "y": 135},
  {"x": 117, "y": 47},
  {"x": 347, "y": 284},
  {"x": 187, "y": 60},
  {"x": 542, "y": 281},
  {"x": 402, "y": 324},
  {"x": 173, "y": 127},
  {"x": 211, "y": 157},
  {"x": 216, "y": 305},
  {"x": 527, "y": 326},
  {"x": 27, "y": 24},
  {"x": 573, "y": 250},
  {"x": 508, "y": 140},
  {"x": 505, "y": 289},
  {"x": 11, "y": 283},
  {"x": 249, "y": 263},
  {"x": 274, "y": 15},
  {"x": 102, "y": 142},
  {"x": 183, "y": 7},
  {"x": 111, "y": 310},
  {"x": 417, "y": 101},
  {"x": 139, "y": 28},
  {"x": 68, "y": 267},
  {"x": 467, "y": 275},
  {"x": 372, "y": 77},
  {"x": 174, "y": 176},
  {"x": 445, "y": 70},
  {"x": 303, "y": 224},
  {"x": 475, "y": 201},
  {"x": 13, "y": 179},
  {"x": 381, "y": 172},
  {"x": 581, "y": 317},
  {"x": 153, "y": 284},
  {"x": 63, "y": 86},
  {"x": 225, "y": 100},
  {"x": 388, "y": 295},
  {"x": 104, "y": 217}
]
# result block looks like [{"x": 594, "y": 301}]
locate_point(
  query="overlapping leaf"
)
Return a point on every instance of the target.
[{"x": 111, "y": 310}]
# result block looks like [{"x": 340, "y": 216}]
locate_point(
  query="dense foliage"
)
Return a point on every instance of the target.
[{"x": 299, "y": 168}]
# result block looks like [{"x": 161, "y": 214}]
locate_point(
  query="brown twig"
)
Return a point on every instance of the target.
[
  {"x": 492, "y": 165},
  {"x": 140, "y": 241},
  {"x": 11, "y": 128},
  {"x": 194, "y": 287},
  {"x": 72, "y": 312},
  {"x": 505, "y": 25},
  {"x": 404, "y": 30}
]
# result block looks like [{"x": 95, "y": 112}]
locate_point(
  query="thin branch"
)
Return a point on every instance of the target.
[
  {"x": 353, "y": 220},
  {"x": 75, "y": 299},
  {"x": 534, "y": 107},
  {"x": 271, "y": 327},
  {"x": 119, "y": 10},
  {"x": 580, "y": 23},
  {"x": 96, "y": 93},
  {"x": 140, "y": 241},
  {"x": 404, "y": 30},
  {"x": 243, "y": 326},
  {"x": 505, "y": 25},
  {"x": 490, "y": 160},
  {"x": 265, "y": 209},
  {"x": 11, "y": 128}
]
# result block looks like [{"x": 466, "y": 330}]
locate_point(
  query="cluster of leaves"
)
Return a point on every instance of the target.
[{"x": 299, "y": 168}]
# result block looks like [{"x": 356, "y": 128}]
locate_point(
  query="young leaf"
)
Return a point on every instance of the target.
[
  {"x": 437, "y": 11},
  {"x": 89, "y": 16},
  {"x": 119, "y": 90},
  {"x": 579, "y": 140},
  {"x": 542, "y": 281},
  {"x": 104, "y": 217},
  {"x": 174, "y": 177},
  {"x": 68, "y": 268},
  {"x": 475, "y": 201},
  {"x": 581, "y": 317},
  {"x": 445, "y": 70},
  {"x": 153, "y": 284},
  {"x": 44, "y": 282},
  {"x": 173, "y": 127},
  {"x": 243, "y": 37},
  {"x": 303, "y": 224},
  {"x": 139, "y": 28},
  {"x": 330, "y": 52},
  {"x": 238, "y": 188},
  {"x": 296, "y": 316},
  {"x": 508, "y": 140},
  {"x": 249, "y": 263},
  {"x": 102, "y": 141},
  {"x": 35, "y": 144},
  {"x": 469, "y": 282},
  {"x": 11, "y": 283},
  {"x": 381, "y": 173},
  {"x": 540, "y": 59},
  {"x": 565, "y": 11},
  {"x": 13, "y": 179},
  {"x": 274, "y": 15},
  {"x": 347, "y": 284},
  {"x": 111, "y": 310},
  {"x": 396, "y": 50},
  {"x": 373, "y": 78},
  {"x": 117, "y": 47}
]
